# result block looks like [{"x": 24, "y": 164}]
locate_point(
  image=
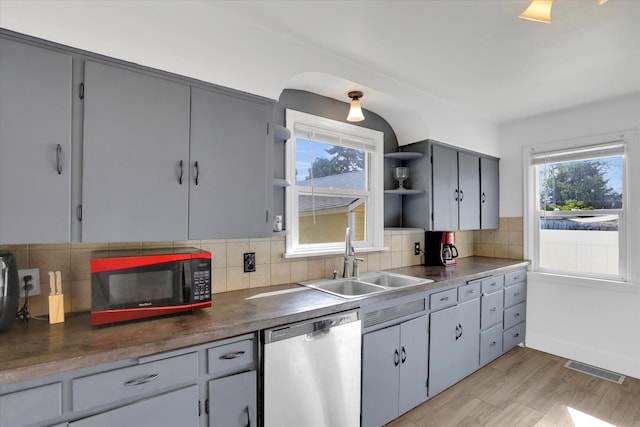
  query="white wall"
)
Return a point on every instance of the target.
[{"x": 596, "y": 322}]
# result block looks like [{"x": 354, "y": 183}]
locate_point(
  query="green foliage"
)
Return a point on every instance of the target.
[{"x": 343, "y": 160}]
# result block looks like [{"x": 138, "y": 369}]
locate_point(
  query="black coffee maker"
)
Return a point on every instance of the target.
[
  {"x": 440, "y": 248},
  {"x": 9, "y": 290}
]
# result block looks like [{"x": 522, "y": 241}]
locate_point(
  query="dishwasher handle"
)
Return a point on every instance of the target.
[{"x": 311, "y": 329}]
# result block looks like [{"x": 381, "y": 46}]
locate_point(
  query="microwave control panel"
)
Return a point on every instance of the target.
[{"x": 201, "y": 279}]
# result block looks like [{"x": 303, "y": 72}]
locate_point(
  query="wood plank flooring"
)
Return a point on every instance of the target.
[{"x": 524, "y": 388}]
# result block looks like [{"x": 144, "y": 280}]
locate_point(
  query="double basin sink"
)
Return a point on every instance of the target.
[{"x": 366, "y": 284}]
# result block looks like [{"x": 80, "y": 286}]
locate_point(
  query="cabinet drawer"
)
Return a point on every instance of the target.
[
  {"x": 490, "y": 344},
  {"x": 515, "y": 315},
  {"x": 515, "y": 294},
  {"x": 132, "y": 381},
  {"x": 513, "y": 336},
  {"x": 46, "y": 403},
  {"x": 515, "y": 277},
  {"x": 443, "y": 299},
  {"x": 492, "y": 284},
  {"x": 491, "y": 310},
  {"x": 230, "y": 358},
  {"x": 469, "y": 291}
]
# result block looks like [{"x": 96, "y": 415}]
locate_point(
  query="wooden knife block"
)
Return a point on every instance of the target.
[{"x": 56, "y": 308}]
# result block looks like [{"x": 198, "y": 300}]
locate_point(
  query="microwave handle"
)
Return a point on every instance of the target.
[{"x": 186, "y": 281}]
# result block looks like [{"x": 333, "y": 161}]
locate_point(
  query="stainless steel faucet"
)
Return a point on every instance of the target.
[{"x": 348, "y": 251}]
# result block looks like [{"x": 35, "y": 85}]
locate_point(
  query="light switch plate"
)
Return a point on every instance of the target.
[{"x": 34, "y": 282}]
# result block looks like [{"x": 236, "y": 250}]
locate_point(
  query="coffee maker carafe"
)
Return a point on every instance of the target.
[{"x": 440, "y": 248}]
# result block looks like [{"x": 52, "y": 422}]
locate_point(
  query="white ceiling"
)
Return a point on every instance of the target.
[{"x": 410, "y": 57}]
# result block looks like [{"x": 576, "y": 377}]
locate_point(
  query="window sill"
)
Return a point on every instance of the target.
[
  {"x": 581, "y": 281},
  {"x": 329, "y": 252}
]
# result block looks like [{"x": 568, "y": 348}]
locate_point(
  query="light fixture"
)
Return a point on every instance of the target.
[
  {"x": 540, "y": 11},
  {"x": 355, "y": 112}
]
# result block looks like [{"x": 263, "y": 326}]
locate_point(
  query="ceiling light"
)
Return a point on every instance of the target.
[
  {"x": 355, "y": 112},
  {"x": 540, "y": 11}
]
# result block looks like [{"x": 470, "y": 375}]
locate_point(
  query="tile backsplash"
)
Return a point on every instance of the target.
[{"x": 271, "y": 268}]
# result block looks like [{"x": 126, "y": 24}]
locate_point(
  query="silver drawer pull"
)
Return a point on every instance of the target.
[
  {"x": 230, "y": 356},
  {"x": 516, "y": 315},
  {"x": 141, "y": 380},
  {"x": 493, "y": 344},
  {"x": 444, "y": 299},
  {"x": 515, "y": 294},
  {"x": 516, "y": 277},
  {"x": 494, "y": 309},
  {"x": 516, "y": 335},
  {"x": 470, "y": 291}
]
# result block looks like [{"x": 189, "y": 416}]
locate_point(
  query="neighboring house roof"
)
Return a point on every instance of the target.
[{"x": 349, "y": 180}]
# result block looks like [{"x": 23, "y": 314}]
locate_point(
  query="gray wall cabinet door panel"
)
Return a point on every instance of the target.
[
  {"x": 229, "y": 143},
  {"x": 176, "y": 408},
  {"x": 489, "y": 193},
  {"x": 232, "y": 401},
  {"x": 380, "y": 379},
  {"x": 469, "y": 191},
  {"x": 136, "y": 133},
  {"x": 445, "y": 188},
  {"x": 414, "y": 345},
  {"x": 35, "y": 118}
]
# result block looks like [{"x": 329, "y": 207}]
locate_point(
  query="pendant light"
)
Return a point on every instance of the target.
[
  {"x": 355, "y": 112},
  {"x": 540, "y": 11}
]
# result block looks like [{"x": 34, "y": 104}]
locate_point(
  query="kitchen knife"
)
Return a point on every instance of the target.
[
  {"x": 58, "y": 282},
  {"x": 52, "y": 283}
]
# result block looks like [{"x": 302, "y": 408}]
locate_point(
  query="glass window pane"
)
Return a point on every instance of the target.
[
  {"x": 581, "y": 185},
  {"x": 329, "y": 166},
  {"x": 324, "y": 219},
  {"x": 581, "y": 244}
]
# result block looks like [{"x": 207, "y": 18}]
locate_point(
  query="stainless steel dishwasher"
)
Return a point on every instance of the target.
[{"x": 312, "y": 373}]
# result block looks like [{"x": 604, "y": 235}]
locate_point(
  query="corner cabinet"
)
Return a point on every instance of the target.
[
  {"x": 135, "y": 173},
  {"x": 35, "y": 144}
]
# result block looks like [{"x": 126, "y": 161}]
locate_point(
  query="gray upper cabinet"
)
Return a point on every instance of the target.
[
  {"x": 445, "y": 188},
  {"x": 489, "y": 193},
  {"x": 35, "y": 144},
  {"x": 135, "y": 156},
  {"x": 229, "y": 182},
  {"x": 468, "y": 191}
]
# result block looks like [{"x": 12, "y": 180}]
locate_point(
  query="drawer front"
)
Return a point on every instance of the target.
[
  {"x": 513, "y": 336},
  {"x": 514, "y": 315},
  {"x": 45, "y": 403},
  {"x": 469, "y": 291},
  {"x": 230, "y": 358},
  {"x": 491, "y": 310},
  {"x": 490, "y": 344},
  {"x": 443, "y": 299},
  {"x": 132, "y": 381},
  {"x": 515, "y": 294},
  {"x": 515, "y": 277},
  {"x": 492, "y": 284}
]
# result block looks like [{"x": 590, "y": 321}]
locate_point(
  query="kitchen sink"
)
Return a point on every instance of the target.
[{"x": 367, "y": 284}]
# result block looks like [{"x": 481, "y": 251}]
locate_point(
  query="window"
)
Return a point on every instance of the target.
[
  {"x": 335, "y": 171},
  {"x": 577, "y": 204}
]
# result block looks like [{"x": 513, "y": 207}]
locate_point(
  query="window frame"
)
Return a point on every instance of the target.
[
  {"x": 532, "y": 211},
  {"x": 373, "y": 193}
]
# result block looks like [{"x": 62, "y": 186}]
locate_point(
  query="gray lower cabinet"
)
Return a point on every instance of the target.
[
  {"x": 175, "y": 408},
  {"x": 229, "y": 182},
  {"x": 454, "y": 344},
  {"x": 394, "y": 371},
  {"x": 135, "y": 174},
  {"x": 232, "y": 400},
  {"x": 35, "y": 144},
  {"x": 515, "y": 309},
  {"x": 13, "y": 411}
]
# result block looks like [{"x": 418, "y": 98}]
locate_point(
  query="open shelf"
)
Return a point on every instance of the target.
[
  {"x": 404, "y": 155},
  {"x": 404, "y": 191}
]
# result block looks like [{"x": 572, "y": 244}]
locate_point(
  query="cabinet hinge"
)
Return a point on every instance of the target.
[
  {"x": 79, "y": 212},
  {"x": 206, "y": 406},
  {"x": 81, "y": 91}
]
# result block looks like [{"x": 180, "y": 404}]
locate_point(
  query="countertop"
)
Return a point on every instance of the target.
[{"x": 36, "y": 349}]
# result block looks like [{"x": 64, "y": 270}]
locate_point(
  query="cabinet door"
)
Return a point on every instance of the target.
[
  {"x": 136, "y": 136},
  {"x": 489, "y": 193},
  {"x": 229, "y": 145},
  {"x": 232, "y": 401},
  {"x": 469, "y": 191},
  {"x": 445, "y": 188},
  {"x": 468, "y": 345},
  {"x": 414, "y": 356},
  {"x": 35, "y": 144},
  {"x": 380, "y": 377},
  {"x": 176, "y": 408}
]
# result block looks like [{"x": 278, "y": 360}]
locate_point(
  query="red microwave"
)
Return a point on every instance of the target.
[{"x": 135, "y": 284}]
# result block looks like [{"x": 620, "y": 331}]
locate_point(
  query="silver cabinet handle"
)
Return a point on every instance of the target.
[
  {"x": 181, "y": 164},
  {"x": 461, "y": 195},
  {"x": 396, "y": 358},
  {"x": 197, "y": 178},
  {"x": 230, "y": 356},
  {"x": 142, "y": 380},
  {"x": 515, "y": 294},
  {"x": 59, "y": 159},
  {"x": 444, "y": 299},
  {"x": 470, "y": 291},
  {"x": 484, "y": 197},
  {"x": 494, "y": 309},
  {"x": 516, "y": 315},
  {"x": 456, "y": 195},
  {"x": 404, "y": 355},
  {"x": 493, "y": 344},
  {"x": 248, "y": 416}
]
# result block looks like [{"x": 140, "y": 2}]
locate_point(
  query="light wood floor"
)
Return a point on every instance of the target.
[{"x": 526, "y": 387}]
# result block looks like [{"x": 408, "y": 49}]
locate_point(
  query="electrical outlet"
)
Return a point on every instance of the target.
[
  {"x": 249, "y": 262},
  {"x": 416, "y": 248},
  {"x": 34, "y": 282}
]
